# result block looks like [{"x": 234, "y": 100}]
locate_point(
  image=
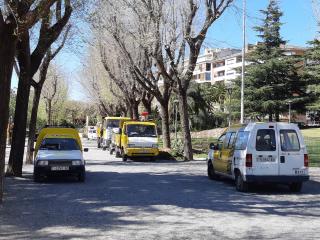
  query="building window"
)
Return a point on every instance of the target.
[
  {"x": 208, "y": 76},
  {"x": 230, "y": 61},
  {"x": 239, "y": 59},
  {"x": 221, "y": 73},
  {"x": 219, "y": 64},
  {"x": 208, "y": 66},
  {"x": 230, "y": 73}
]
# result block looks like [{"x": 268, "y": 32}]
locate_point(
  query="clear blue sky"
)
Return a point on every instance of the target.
[{"x": 299, "y": 27}]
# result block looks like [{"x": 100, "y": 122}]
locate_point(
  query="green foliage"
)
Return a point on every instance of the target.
[
  {"x": 273, "y": 79},
  {"x": 312, "y": 58},
  {"x": 206, "y": 103}
]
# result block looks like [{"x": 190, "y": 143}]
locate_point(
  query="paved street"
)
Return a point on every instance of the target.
[{"x": 154, "y": 200}]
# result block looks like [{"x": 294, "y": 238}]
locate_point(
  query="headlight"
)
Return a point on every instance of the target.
[
  {"x": 42, "y": 163},
  {"x": 76, "y": 162},
  {"x": 154, "y": 145}
]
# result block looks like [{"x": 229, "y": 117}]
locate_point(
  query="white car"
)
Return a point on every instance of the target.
[
  {"x": 59, "y": 154},
  {"x": 261, "y": 152}
]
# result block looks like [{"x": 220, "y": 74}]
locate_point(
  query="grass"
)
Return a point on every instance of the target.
[{"x": 311, "y": 138}]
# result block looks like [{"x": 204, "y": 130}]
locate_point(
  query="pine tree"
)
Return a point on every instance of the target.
[
  {"x": 312, "y": 72},
  {"x": 272, "y": 79}
]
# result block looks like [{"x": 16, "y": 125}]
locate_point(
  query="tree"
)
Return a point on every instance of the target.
[
  {"x": 16, "y": 18},
  {"x": 162, "y": 33},
  {"x": 29, "y": 63},
  {"x": 273, "y": 79}
]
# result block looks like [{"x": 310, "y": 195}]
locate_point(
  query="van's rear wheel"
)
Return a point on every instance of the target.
[
  {"x": 211, "y": 172},
  {"x": 295, "y": 187},
  {"x": 241, "y": 185}
]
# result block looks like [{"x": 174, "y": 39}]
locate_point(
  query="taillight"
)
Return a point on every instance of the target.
[
  {"x": 249, "y": 160},
  {"x": 306, "y": 160}
]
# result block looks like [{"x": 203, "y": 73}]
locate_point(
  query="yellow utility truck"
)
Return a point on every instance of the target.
[
  {"x": 138, "y": 139},
  {"x": 110, "y": 124}
]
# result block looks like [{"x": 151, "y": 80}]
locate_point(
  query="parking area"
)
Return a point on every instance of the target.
[{"x": 155, "y": 200}]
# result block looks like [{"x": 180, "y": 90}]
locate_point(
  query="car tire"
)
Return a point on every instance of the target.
[
  {"x": 295, "y": 187},
  {"x": 211, "y": 172},
  {"x": 82, "y": 177},
  {"x": 241, "y": 185},
  {"x": 37, "y": 177}
]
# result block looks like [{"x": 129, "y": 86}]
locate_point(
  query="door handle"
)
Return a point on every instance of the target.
[{"x": 282, "y": 159}]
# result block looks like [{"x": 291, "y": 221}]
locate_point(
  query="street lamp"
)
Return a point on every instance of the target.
[{"x": 229, "y": 90}]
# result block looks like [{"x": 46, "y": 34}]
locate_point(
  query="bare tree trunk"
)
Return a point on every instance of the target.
[
  {"x": 164, "y": 112},
  {"x": 49, "y": 112},
  {"x": 21, "y": 111},
  {"x": 32, "y": 124},
  {"x": 184, "y": 116},
  {"x": 135, "y": 110},
  {"x": 7, "y": 52}
]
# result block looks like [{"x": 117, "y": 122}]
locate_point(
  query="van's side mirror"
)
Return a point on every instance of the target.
[
  {"x": 212, "y": 146},
  {"x": 86, "y": 149}
]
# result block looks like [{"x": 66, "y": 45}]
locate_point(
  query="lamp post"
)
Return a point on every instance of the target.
[
  {"x": 229, "y": 90},
  {"x": 243, "y": 60}
]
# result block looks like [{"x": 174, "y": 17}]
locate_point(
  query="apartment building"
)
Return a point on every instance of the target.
[{"x": 221, "y": 64}]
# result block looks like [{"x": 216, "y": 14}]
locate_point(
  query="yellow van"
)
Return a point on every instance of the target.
[
  {"x": 109, "y": 125},
  {"x": 139, "y": 139}
]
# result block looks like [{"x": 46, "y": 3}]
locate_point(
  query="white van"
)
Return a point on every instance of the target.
[
  {"x": 260, "y": 153},
  {"x": 92, "y": 133}
]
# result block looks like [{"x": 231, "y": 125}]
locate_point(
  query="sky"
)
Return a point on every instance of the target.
[{"x": 299, "y": 27}]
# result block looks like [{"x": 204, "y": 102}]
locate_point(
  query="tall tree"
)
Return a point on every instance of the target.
[
  {"x": 273, "y": 79},
  {"x": 16, "y": 18},
  {"x": 29, "y": 63}
]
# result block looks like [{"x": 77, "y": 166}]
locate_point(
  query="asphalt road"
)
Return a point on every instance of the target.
[{"x": 154, "y": 200}]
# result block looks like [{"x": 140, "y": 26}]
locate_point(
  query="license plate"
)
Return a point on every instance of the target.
[
  {"x": 265, "y": 159},
  {"x": 60, "y": 168},
  {"x": 144, "y": 151},
  {"x": 299, "y": 171}
]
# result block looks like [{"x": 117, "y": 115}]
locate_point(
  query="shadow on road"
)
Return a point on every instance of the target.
[{"x": 95, "y": 204}]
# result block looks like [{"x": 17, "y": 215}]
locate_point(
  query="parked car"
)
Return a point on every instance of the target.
[
  {"x": 58, "y": 151},
  {"x": 260, "y": 153}
]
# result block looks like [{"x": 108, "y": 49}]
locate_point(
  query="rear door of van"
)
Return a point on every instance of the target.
[
  {"x": 265, "y": 159},
  {"x": 291, "y": 150}
]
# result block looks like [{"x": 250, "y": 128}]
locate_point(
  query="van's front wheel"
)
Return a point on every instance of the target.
[
  {"x": 295, "y": 187},
  {"x": 211, "y": 172},
  {"x": 241, "y": 185}
]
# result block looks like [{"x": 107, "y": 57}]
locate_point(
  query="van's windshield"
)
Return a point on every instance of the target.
[
  {"x": 62, "y": 144},
  {"x": 141, "y": 130},
  {"x": 113, "y": 123}
]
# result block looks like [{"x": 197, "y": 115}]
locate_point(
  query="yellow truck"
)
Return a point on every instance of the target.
[
  {"x": 138, "y": 139},
  {"x": 109, "y": 128}
]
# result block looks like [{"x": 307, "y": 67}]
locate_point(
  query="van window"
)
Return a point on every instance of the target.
[
  {"x": 289, "y": 140},
  {"x": 220, "y": 141},
  {"x": 266, "y": 140},
  {"x": 229, "y": 140},
  {"x": 242, "y": 140}
]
